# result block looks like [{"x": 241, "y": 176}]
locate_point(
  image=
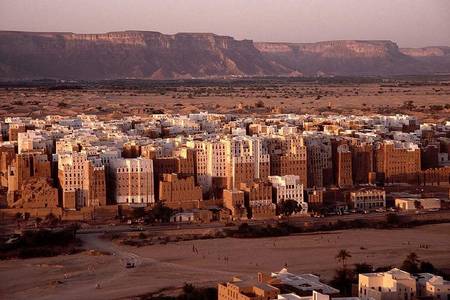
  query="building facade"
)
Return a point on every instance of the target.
[
  {"x": 397, "y": 162},
  {"x": 178, "y": 191},
  {"x": 368, "y": 199},
  {"x": 258, "y": 199},
  {"x": 246, "y": 160},
  {"x": 133, "y": 181},
  {"x": 288, "y": 187},
  {"x": 288, "y": 156}
]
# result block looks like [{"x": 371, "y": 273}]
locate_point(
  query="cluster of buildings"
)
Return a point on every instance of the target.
[
  {"x": 242, "y": 165},
  {"x": 278, "y": 285},
  {"x": 398, "y": 284},
  {"x": 391, "y": 285}
]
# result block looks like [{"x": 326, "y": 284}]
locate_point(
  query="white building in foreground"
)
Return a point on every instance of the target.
[
  {"x": 392, "y": 285},
  {"x": 303, "y": 282},
  {"x": 417, "y": 203},
  {"x": 432, "y": 286},
  {"x": 315, "y": 296}
]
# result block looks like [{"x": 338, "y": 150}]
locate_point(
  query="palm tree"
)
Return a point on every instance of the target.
[
  {"x": 188, "y": 288},
  {"x": 342, "y": 256}
]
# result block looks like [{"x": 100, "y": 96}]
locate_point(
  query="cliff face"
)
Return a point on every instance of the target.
[
  {"x": 434, "y": 58},
  {"x": 344, "y": 58},
  {"x": 426, "y": 52},
  {"x": 127, "y": 55},
  {"x": 139, "y": 54}
]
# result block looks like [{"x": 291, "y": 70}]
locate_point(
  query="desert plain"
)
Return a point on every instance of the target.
[
  {"x": 100, "y": 272},
  {"x": 429, "y": 100}
]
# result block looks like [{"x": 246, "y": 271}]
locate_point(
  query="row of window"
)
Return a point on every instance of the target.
[{"x": 128, "y": 170}]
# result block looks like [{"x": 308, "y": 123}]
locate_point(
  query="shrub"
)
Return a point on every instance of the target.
[
  {"x": 41, "y": 243},
  {"x": 259, "y": 104},
  {"x": 393, "y": 219}
]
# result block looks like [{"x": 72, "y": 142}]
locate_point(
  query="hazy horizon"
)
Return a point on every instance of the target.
[{"x": 409, "y": 23}]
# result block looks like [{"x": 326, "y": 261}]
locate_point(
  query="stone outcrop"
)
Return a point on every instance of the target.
[{"x": 36, "y": 193}]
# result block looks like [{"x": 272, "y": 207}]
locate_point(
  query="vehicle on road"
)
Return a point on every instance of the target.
[{"x": 130, "y": 264}]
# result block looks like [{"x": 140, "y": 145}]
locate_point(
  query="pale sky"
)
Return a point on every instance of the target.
[{"x": 410, "y": 23}]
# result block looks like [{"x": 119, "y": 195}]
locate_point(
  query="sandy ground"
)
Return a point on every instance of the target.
[
  {"x": 360, "y": 99},
  {"x": 171, "y": 265}
]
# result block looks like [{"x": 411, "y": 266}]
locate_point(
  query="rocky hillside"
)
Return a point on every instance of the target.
[
  {"x": 127, "y": 55},
  {"x": 436, "y": 59},
  {"x": 357, "y": 58},
  {"x": 143, "y": 54}
]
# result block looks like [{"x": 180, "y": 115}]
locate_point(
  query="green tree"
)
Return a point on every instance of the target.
[
  {"x": 259, "y": 104},
  {"x": 161, "y": 212},
  {"x": 244, "y": 228},
  {"x": 139, "y": 212},
  {"x": 427, "y": 267},
  {"x": 409, "y": 105},
  {"x": 51, "y": 220},
  {"x": 383, "y": 268},
  {"x": 342, "y": 280},
  {"x": 37, "y": 221},
  {"x": 289, "y": 207},
  {"x": 418, "y": 205},
  {"x": 411, "y": 263},
  {"x": 342, "y": 257},
  {"x": 392, "y": 219},
  {"x": 362, "y": 268}
]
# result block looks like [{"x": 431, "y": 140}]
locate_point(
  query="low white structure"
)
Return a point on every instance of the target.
[
  {"x": 429, "y": 285},
  {"x": 417, "y": 203},
  {"x": 304, "y": 282},
  {"x": 392, "y": 285},
  {"x": 182, "y": 217},
  {"x": 315, "y": 296}
]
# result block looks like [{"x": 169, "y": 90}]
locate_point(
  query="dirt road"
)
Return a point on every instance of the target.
[{"x": 171, "y": 265}]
